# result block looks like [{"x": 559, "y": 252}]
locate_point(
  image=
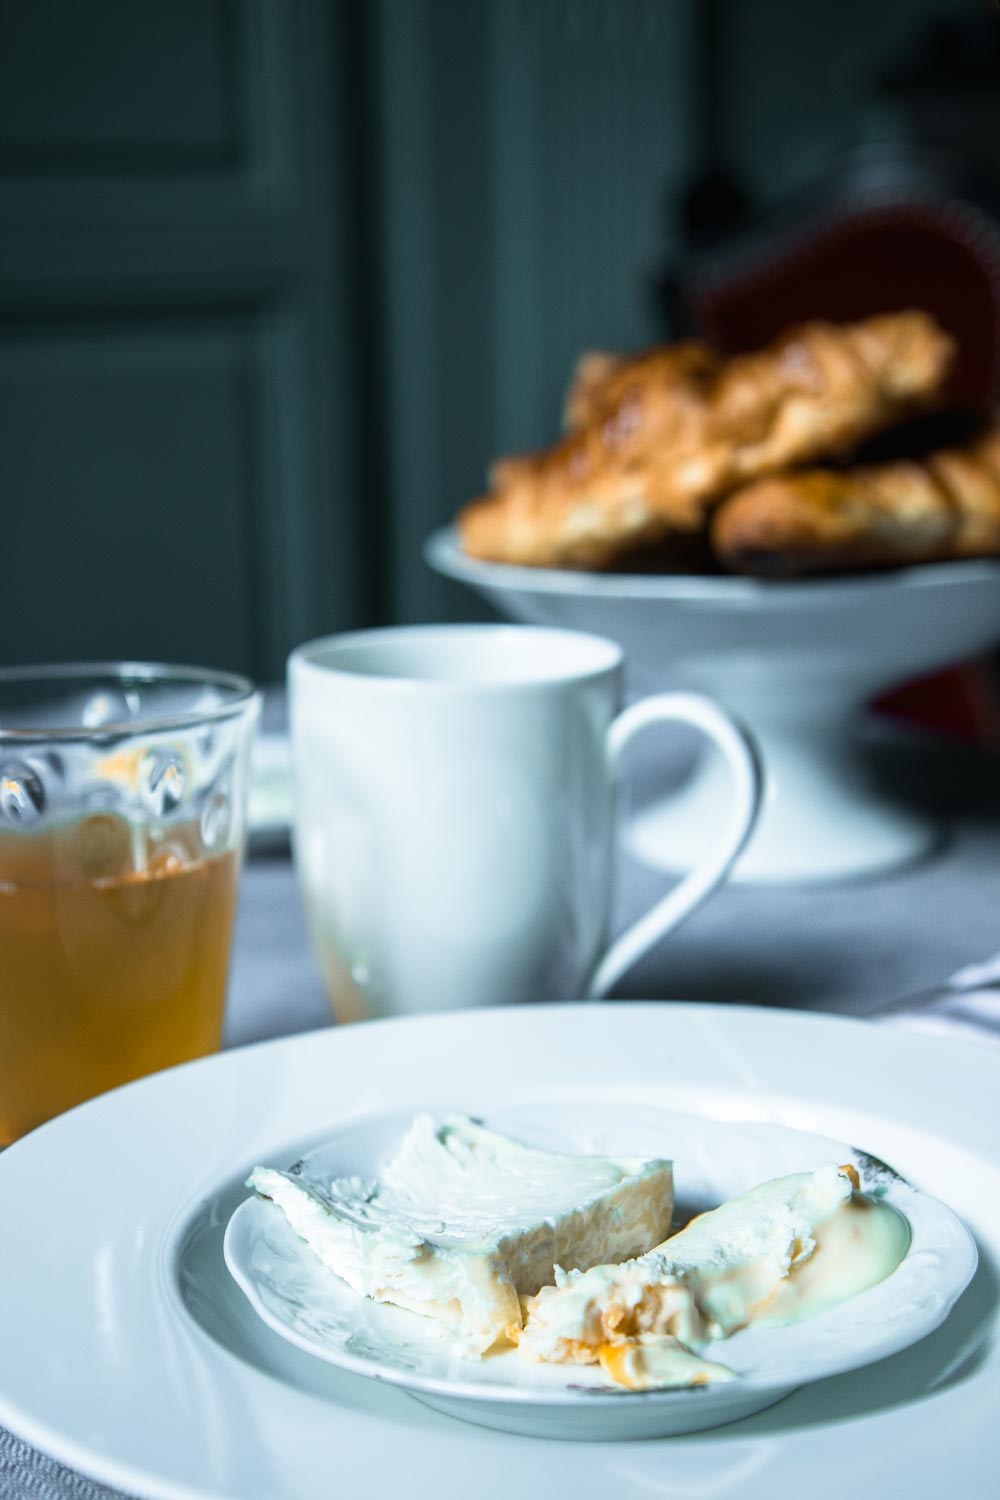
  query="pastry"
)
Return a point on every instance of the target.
[
  {"x": 658, "y": 438},
  {"x": 825, "y": 520},
  {"x": 601, "y": 381}
]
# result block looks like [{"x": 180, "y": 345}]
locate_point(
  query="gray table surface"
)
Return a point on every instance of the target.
[{"x": 847, "y": 949}]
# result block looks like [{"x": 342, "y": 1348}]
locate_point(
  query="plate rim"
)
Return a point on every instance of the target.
[
  {"x": 46, "y": 1434},
  {"x": 557, "y": 1396}
]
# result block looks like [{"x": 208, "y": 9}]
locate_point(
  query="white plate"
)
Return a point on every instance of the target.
[
  {"x": 128, "y": 1351},
  {"x": 293, "y": 1293}
]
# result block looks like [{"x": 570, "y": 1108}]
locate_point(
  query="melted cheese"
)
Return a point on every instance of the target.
[
  {"x": 652, "y": 1363},
  {"x": 783, "y": 1251}
]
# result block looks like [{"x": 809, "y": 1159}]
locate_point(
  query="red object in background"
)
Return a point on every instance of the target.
[
  {"x": 943, "y": 257},
  {"x": 964, "y": 702},
  {"x": 887, "y": 230}
]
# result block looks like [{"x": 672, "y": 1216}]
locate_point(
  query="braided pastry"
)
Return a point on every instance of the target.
[
  {"x": 655, "y": 440},
  {"x": 825, "y": 520}
]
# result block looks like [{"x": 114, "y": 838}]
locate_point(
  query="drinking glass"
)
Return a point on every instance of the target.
[{"x": 122, "y": 811}]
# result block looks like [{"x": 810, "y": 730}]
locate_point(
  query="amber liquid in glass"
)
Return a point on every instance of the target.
[{"x": 114, "y": 952}]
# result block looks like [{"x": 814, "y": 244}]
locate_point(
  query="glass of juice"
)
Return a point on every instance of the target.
[{"x": 122, "y": 813}]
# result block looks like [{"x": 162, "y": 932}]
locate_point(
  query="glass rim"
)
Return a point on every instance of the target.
[{"x": 245, "y": 695}]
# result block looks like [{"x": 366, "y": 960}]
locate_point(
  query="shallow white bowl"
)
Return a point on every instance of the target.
[
  {"x": 795, "y": 661},
  {"x": 129, "y": 1352}
]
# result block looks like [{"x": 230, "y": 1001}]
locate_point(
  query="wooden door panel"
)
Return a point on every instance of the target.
[
  {"x": 98, "y": 86},
  {"x": 126, "y": 527},
  {"x": 159, "y": 113},
  {"x": 173, "y": 372}
]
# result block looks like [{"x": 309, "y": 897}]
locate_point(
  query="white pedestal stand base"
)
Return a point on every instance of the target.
[
  {"x": 795, "y": 662},
  {"x": 822, "y": 818}
]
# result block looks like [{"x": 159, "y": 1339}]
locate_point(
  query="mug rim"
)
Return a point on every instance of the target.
[
  {"x": 244, "y": 696},
  {"x": 305, "y": 657}
]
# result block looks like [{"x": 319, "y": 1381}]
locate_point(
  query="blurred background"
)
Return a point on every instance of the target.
[{"x": 278, "y": 279}]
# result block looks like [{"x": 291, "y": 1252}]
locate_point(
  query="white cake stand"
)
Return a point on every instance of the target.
[{"x": 796, "y": 662}]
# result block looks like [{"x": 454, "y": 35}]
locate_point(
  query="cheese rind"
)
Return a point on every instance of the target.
[{"x": 463, "y": 1221}]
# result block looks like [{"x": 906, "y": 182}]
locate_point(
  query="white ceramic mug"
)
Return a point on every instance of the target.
[{"x": 455, "y": 791}]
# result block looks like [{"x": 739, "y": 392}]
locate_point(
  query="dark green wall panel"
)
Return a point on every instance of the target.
[
  {"x": 340, "y": 255},
  {"x": 174, "y": 313},
  {"x": 124, "y": 502},
  {"x": 92, "y": 86},
  {"x": 592, "y": 124},
  {"x": 525, "y": 149}
]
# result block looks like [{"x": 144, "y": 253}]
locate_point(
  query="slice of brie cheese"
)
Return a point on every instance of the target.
[
  {"x": 781, "y": 1252},
  {"x": 463, "y": 1221}
]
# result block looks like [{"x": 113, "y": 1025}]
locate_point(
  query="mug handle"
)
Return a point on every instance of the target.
[{"x": 743, "y": 762}]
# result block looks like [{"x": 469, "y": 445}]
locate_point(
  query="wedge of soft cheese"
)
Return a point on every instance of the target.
[
  {"x": 462, "y": 1222},
  {"x": 781, "y": 1252}
]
